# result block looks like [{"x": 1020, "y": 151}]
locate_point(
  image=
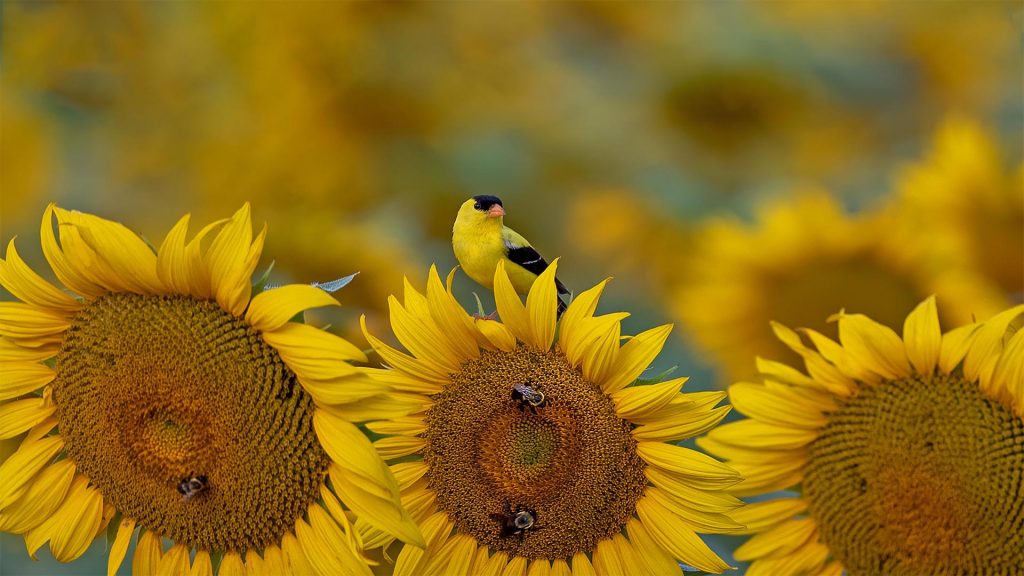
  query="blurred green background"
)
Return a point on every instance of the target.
[{"x": 727, "y": 162}]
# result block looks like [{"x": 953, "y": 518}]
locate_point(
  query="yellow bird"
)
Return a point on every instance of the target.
[{"x": 481, "y": 240}]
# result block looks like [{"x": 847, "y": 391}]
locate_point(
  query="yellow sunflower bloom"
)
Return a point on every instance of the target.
[
  {"x": 905, "y": 454},
  {"x": 972, "y": 203},
  {"x": 800, "y": 262},
  {"x": 536, "y": 451},
  {"x": 167, "y": 402}
]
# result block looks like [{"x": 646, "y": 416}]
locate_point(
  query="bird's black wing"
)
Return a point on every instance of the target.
[{"x": 530, "y": 259}]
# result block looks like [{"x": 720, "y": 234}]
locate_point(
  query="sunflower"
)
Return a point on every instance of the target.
[
  {"x": 905, "y": 454},
  {"x": 167, "y": 402},
  {"x": 800, "y": 262},
  {"x": 973, "y": 202},
  {"x": 537, "y": 450}
]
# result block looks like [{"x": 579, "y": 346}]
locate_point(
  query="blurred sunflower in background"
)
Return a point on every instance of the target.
[
  {"x": 165, "y": 400},
  {"x": 801, "y": 260},
  {"x": 905, "y": 454},
  {"x": 968, "y": 208},
  {"x": 537, "y": 450}
]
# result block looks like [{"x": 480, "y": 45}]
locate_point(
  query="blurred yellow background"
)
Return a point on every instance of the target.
[{"x": 729, "y": 163}]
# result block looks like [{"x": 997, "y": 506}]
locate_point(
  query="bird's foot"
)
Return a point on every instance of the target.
[{"x": 491, "y": 316}]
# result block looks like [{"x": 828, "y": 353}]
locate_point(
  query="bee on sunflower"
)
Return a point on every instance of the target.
[
  {"x": 536, "y": 449},
  {"x": 161, "y": 398}
]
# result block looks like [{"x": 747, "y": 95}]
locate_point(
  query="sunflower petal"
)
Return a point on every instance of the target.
[
  {"x": 761, "y": 516},
  {"x": 496, "y": 565},
  {"x": 450, "y": 318},
  {"x": 398, "y": 446},
  {"x": 586, "y": 333},
  {"x": 559, "y": 567},
  {"x": 42, "y": 498},
  {"x": 353, "y": 453},
  {"x": 21, "y": 281},
  {"x": 19, "y": 468},
  {"x": 681, "y": 426},
  {"x": 606, "y": 559},
  {"x": 496, "y": 333},
  {"x": 669, "y": 531},
  {"x": 686, "y": 462},
  {"x": 510, "y": 307},
  {"x": 435, "y": 532},
  {"x": 761, "y": 435},
  {"x": 274, "y": 560},
  {"x": 229, "y": 260},
  {"x": 402, "y": 361},
  {"x": 642, "y": 400},
  {"x": 23, "y": 377},
  {"x": 423, "y": 338},
  {"x": 829, "y": 375},
  {"x": 580, "y": 309},
  {"x": 634, "y": 357},
  {"x": 1008, "y": 373},
  {"x": 684, "y": 492},
  {"x": 698, "y": 519},
  {"x": 23, "y": 322},
  {"x": 195, "y": 261},
  {"x": 656, "y": 559},
  {"x": 581, "y": 565},
  {"x": 125, "y": 261},
  {"x": 539, "y": 567},
  {"x": 73, "y": 526},
  {"x": 516, "y": 567},
  {"x": 119, "y": 547},
  {"x": 988, "y": 343},
  {"x": 20, "y": 415},
  {"x": 71, "y": 270},
  {"x": 776, "y": 406},
  {"x": 171, "y": 261},
  {"x": 601, "y": 355},
  {"x": 231, "y": 565},
  {"x": 873, "y": 344},
  {"x": 313, "y": 352},
  {"x": 770, "y": 477},
  {"x": 955, "y": 345},
  {"x": 11, "y": 352},
  {"x": 923, "y": 337},
  {"x": 148, "y": 553},
  {"x": 271, "y": 309},
  {"x": 542, "y": 308},
  {"x": 175, "y": 562},
  {"x": 295, "y": 559},
  {"x": 454, "y": 558},
  {"x": 779, "y": 541},
  {"x": 406, "y": 425}
]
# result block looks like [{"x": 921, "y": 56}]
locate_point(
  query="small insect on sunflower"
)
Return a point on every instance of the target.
[
  {"x": 537, "y": 450},
  {"x": 906, "y": 454},
  {"x": 165, "y": 400}
]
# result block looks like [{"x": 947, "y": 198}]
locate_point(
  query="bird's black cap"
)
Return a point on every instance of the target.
[{"x": 485, "y": 202}]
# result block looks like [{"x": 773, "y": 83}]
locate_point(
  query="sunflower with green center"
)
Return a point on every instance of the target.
[
  {"x": 166, "y": 401},
  {"x": 905, "y": 455},
  {"x": 537, "y": 450},
  {"x": 800, "y": 262}
]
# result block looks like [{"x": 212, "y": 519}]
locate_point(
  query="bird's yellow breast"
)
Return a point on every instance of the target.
[
  {"x": 478, "y": 249},
  {"x": 479, "y": 244}
]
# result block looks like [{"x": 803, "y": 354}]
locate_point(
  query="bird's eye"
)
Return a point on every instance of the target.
[{"x": 478, "y": 206}]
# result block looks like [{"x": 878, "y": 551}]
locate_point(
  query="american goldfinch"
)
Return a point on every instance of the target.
[{"x": 481, "y": 240}]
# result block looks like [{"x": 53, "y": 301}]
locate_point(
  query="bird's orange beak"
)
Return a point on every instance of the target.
[{"x": 495, "y": 211}]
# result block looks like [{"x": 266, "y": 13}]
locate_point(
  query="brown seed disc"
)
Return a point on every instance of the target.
[
  {"x": 152, "y": 390},
  {"x": 921, "y": 476},
  {"x": 572, "y": 461}
]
